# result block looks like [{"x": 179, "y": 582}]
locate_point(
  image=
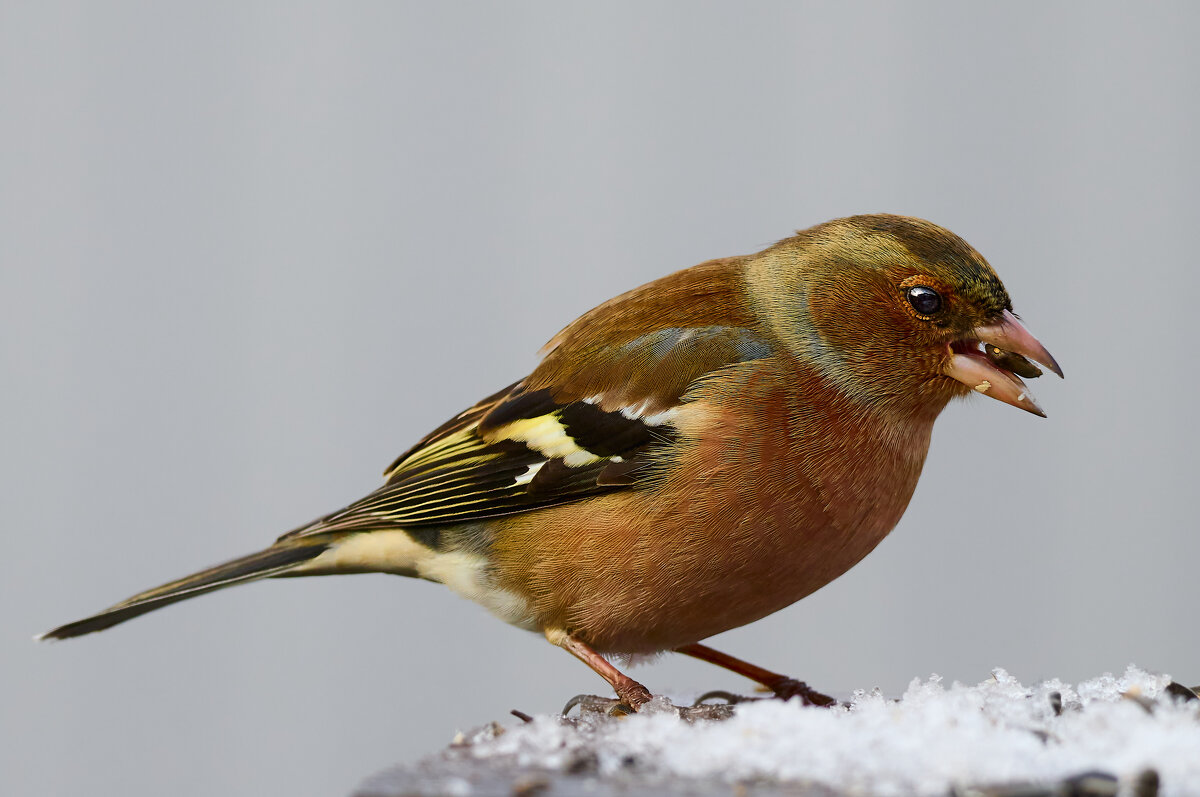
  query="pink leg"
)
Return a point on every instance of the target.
[
  {"x": 783, "y": 686},
  {"x": 628, "y": 690}
]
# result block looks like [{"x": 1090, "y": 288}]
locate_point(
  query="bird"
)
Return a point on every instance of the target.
[{"x": 688, "y": 457}]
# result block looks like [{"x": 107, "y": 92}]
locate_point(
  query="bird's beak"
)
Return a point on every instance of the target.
[{"x": 970, "y": 365}]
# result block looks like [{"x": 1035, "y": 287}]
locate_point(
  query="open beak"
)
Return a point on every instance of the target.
[{"x": 970, "y": 365}]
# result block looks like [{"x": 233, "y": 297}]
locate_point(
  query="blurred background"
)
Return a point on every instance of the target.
[{"x": 250, "y": 252}]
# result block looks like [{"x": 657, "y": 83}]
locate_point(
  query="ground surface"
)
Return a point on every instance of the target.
[{"x": 1137, "y": 734}]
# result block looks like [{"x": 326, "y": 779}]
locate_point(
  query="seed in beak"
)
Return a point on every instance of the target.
[{"x": 1011, "y": 362}]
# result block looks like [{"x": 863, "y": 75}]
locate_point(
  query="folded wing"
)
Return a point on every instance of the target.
[{"x": 594, "y": 417}]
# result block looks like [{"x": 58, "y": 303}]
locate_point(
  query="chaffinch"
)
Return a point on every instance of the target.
[{"x": 688, "y": 457}]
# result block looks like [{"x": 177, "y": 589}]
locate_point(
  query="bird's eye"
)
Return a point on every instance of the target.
[{"x": 924, "y": 300}]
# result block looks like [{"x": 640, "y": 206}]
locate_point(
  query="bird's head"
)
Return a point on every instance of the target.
[{"x": 897, "y": 311}]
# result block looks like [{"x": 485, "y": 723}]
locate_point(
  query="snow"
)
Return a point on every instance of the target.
[{"x": 934, "y": 738}]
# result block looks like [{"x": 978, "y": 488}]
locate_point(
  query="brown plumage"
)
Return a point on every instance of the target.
[{"x": 688, "y": 457}]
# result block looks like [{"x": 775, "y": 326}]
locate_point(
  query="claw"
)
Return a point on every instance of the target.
[
  {"x": 787, "y": 688},
  {"x": 729, "y": 697},
  {"x": 615, "y": 707}
]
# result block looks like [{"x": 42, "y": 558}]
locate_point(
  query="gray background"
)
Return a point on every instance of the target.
[{"x": 250, "y": 253}]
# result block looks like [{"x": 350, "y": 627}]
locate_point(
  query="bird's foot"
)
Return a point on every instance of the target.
[
  {"x": 595, "y": 705},
  {"x": 632, "y": 693},
  {"x": 786, "y": 688}
]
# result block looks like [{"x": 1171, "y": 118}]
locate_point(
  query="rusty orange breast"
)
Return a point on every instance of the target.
[{"x": 776, "y": 489}]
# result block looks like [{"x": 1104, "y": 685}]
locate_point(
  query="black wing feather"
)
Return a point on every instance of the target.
[{"x": 524, "y": 449}]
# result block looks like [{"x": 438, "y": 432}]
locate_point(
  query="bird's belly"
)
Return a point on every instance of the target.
[{"x": 684, "y": 574}]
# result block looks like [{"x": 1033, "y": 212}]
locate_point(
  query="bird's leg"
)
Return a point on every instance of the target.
[
  {"x": 783, "y": 686},
  {"x": 628, "y": 690}
]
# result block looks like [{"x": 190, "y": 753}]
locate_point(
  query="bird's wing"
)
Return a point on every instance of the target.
[
  {"x": 561, "y": 434},
  {"x": 593, "y": 417}
]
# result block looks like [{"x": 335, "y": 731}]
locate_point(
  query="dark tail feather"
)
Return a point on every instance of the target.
[{"x": 269, "y": 562}]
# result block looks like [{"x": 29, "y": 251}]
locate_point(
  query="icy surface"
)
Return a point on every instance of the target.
[{"x": 934, "y": 738}]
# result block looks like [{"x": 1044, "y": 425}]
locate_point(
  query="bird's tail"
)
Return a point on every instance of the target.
[{"x": 274, "y": 561}]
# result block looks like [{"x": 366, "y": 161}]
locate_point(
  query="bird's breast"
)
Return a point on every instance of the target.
[{"x": 763, "y": 502}]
